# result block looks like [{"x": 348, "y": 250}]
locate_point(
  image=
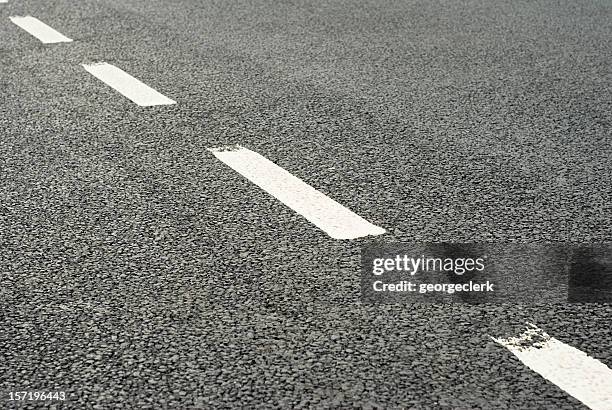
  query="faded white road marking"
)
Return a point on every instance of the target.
[
  {"x": 132, "y": 88},
  {"x": 331, "y": 217},
  {"x": 40, "y": 30},
  {"x": 585, "y": 378},
  {"x": 3, "y": 1}
]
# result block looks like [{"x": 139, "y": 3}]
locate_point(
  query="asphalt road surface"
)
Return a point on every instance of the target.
[{"x": 138, "y": 270}]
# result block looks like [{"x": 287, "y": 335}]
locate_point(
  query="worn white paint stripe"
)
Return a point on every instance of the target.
[
  {"x": 331, "y": 217},
  {"x": 582, "y": 376},
  {"x": 40, "y": 30},
  {"x": 132, "y": 88}
]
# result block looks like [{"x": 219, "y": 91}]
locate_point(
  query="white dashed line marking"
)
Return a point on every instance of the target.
[
  {"x": 585, "y": 378},
  {"x": 40, "y": 30},
  {"x": 328, "y": 215},
  {"x": 130, "y": 87}
]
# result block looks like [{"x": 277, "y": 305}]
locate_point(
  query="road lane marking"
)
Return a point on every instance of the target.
[
  {"x": 585, "y": 378},
  {"x": 40, "y": 30},
  {"x": 328, "y": 215},
  {"x": 130, "y": 87}
]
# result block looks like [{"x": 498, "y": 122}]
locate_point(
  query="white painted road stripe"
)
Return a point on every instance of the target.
[
  {"x": 331, "y": 217},
  {"x": 582, "y": 376},
  {"x": 127, "y": 85},
  {"x": 40, "y": 30}
]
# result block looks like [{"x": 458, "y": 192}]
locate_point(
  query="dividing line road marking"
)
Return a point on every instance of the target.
[
  {"x": 582, "y": 376},
  {"x": 132, "y": 88},
  {"x": 331, "y": 217},
  {"x": 40, "y": 30}
]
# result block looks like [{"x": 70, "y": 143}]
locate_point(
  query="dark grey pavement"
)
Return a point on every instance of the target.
[{"x": 137, "y": 271}]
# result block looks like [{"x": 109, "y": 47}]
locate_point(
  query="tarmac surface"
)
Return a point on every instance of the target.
[{"x": 138, "y": 271}]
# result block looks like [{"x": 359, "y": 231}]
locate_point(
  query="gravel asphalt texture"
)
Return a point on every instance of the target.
[{"x": 137, "y": 271}]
